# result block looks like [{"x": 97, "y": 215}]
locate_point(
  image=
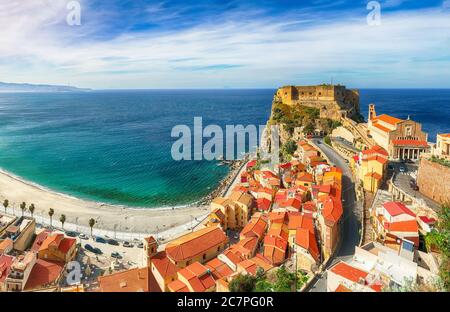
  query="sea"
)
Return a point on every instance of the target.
[{"x": 115, "y": 146}]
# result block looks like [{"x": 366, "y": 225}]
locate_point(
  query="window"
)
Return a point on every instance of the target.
[{"x": 204, "y": 256}]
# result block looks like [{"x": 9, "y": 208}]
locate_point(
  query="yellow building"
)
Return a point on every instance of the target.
[
  {"x": 371, "y": 167},
  {"x": 236, "y": 209},
  {"x": 56, "y": 247},
  {"x": 442, "y": 148}
]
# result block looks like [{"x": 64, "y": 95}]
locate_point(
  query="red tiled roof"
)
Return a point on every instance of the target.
[
  {"x": 307, "y": 240},
  {"x": 291, "y": 202},
  {"x": 163, "y": 265},
  {"x": 410, "y": 143},
  {"x": 275, "y": 249},
  {"x": 178, "y": 286},
  {"x": 342, "y": 288},
  {"x": 256, "y": 227},
  {"x": 44, "y": 273},
  {"x": 40, "y": 238},
  {"x": 301, "y": 221},
  {"x": 198, "y": 277},
  {"x": 380, "y": 159},
  {"x": 402, "y": 226},
  {"x": 388, "y": 119},
  {"x": 133, "y": 280},
  {"x": 349, "y": 272},
  {"x": 396, "y": 208},
  {"x": 196, "y": 243},
  {"x": 219, "y": 269},
  {"x": 263, "y": 204},
  {"x": 384, "y": 129},
  {"x": 427, "y": 220},
  {"x": 5, "y": 266},
  {"x": 309, "y": 206},
  {"x": 332, "y": 209}
]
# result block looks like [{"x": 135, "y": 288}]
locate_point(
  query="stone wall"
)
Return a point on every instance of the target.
[{"x": 433, "y": 180}]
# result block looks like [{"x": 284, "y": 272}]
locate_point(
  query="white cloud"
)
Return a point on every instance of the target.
[{"x": 408, "y": 49}]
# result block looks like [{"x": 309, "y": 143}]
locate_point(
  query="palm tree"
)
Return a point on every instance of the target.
[
  {"x": 6, "y": 204},
  {"x": 23, "y": 206},
  {"x": 91, "y": 224},
  {"x": 31, "y": 209},
  {"x": 62, "y": 219},
  {"x": 51, "y": 212}
]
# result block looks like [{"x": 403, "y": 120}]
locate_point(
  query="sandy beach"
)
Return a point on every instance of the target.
[{"x": 109, "y": 217}]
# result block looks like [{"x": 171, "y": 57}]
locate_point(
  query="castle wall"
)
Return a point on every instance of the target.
[{"x": 433, "y": 180}]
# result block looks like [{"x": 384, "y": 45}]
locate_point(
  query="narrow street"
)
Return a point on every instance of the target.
[{"x": 352, "y": 215}]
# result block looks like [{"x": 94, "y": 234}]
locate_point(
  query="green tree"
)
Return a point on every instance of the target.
[
  {"x": 327, "y": 140},
  {"x": 91, "y": 224},
  {"x": 439, "y": 240},
  {"x": 5, "y": 204},
  {"x": 32, "y": 209},
  {"x": 23, "y": 206},
  {"x": 62, "y": 219},
  {"x": 51, "y": 212},
  {"x": 243, "y": 283}
]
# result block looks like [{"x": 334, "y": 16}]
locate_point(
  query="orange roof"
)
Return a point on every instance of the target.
[
  {"x": 163, "y": 265},
  {"x": 196, "y": 243},
  {"x": 150, "y": 240},
  {"x": 263, "y": 204},
  {"x": 291, "y": 202},
  {"x": 248, "y": 243},
  {"x": 445, "y": 135},
  {"x": 277, "y": 216},
  {"x": 256, "y": 227},
  {"x": 388, "y": 119},
  {"x": 381, "y": 160},
  {"x": 300, "y": 221},
  {"x": 332, "y": 209},
  {"x": 342, "y": 288},
  {"x": 40, "y": 238},
  {"x": 307, "y": 240},
  {"x": 397, "y": 208},
  {"x": 57, "y": 240},
  {"x": 402, "y": 226},
  {"x": 178, "y": 286},
  {"x": 219, "y": 269},
  {"x": 349, "y": 272},
  {"x": 305, "y": 177},
  {"x": 44, "y": 273},
  {"x": 252, "y": 265},
  {"x": 5, "y": 266},
  {"x": 384, "y": 129},
  {"x": 275, "y": 249},
  {"x": 198, "y": 276},
  {"x": 133, "y": 280},
  {"x": 410, "y": 143}
]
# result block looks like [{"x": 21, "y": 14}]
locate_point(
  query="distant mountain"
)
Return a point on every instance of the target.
[{"x": 26, "y": 87}]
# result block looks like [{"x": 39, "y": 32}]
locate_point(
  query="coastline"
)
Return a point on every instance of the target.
[{"x": 109, "y": 217}]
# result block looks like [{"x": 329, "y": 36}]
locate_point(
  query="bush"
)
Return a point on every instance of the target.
[{"x": 243, "y": 283}]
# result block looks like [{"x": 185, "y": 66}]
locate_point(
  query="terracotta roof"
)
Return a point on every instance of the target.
[
  {"x": 380, "y": 159},
  {"x": 242, "y": 198},
  {"x": 263, "y": 204},
  {"x": 163, "y": 265},
  {"x": 256, "y": 227},
  {"x": 252, "y": 265},
  {"x": 40, "y": 238},
  {"x": 342, "y": 288},
  {"x": 332, "y": 209},
  {"x": 307, "y": 240},
  {"x": 6, "y": 244},
  {"x": 196, "y": 243},
  {"x": 445, "y": 135},
  {"x": 291, "y": 202},
  {"x": 309, "y": 206},
  {"x": 277, "y": 216},
  {"x": 5, "y": 266},
  {"x": 349, "y": 272},
  {"x": 304, "y": 221},
  {"x": 427, "y": 220},
  {"x": 384, "y": 129},
  {"x": 275, "y": 249},
  {"x": 133, "y": 280},
  {"x": 279, "y": 229},
  {"x": 198, "y": 277},
  {"x": 410, "y": 143},
  {"x": 388, "y": 119},
  {"x": 396, "y": 208},
  {"x": 150, "y": 240},
  {"x": 402, "y": 226},
  {"x": 57, "y": 240},
  {"x": 44, "y": 273},
  {"x": 219, "y": 269},
  {"x": 177, "y": 286}
]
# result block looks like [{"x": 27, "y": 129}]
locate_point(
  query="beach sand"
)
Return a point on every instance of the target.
[
  {"x": 169, "y": 221},
  {"x": 78, "y": 211}
]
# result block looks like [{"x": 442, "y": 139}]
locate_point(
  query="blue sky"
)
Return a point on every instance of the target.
[{"x": 226, "y": 44}]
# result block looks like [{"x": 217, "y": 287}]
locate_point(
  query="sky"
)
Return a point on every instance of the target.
[{"x": 154, "y": 44}]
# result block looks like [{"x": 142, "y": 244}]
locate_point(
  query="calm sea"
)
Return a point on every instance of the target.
[{"x": 115, "y": 146}]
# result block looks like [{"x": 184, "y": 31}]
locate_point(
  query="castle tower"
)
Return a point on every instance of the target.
[
  {"x": 372, "y": 112},
  {"x": 150, "y": 249}
]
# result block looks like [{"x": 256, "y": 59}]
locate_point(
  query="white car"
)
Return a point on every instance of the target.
[
  {"x": 83, "y": 236},
  {"x": 401, "y": 169}
]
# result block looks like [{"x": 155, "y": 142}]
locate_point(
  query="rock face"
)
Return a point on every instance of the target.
[{"x": 433, "y": 180}]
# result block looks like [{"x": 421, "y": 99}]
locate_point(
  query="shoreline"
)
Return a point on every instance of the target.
[{"x": 109, "y": 217}]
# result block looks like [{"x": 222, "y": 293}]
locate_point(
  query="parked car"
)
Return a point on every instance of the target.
[
  {"x": 99, "y": 239},
  {"x": 402, "y": 169},
  {"x": 140, "y": 245},
  {"x": 83, "y": 236},
  {"x": 116, "y": 255},
  {"x": 113, "y": 242},
  {"x": 413, "y": 185},
  {"x": 127, "y": 244},
  {"x": 71, "y": 234},
  {"x": 92, "y": 249}
]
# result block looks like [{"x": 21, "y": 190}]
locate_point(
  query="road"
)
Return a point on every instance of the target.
[{"x": 352, "y": 216}]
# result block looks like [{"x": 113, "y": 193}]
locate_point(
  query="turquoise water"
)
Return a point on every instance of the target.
[{"x": 115, "y": 147}]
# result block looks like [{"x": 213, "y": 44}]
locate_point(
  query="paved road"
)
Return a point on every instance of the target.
[
  {"x": 402, "y": 180},
  {"x": 352, "y": 215}
]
